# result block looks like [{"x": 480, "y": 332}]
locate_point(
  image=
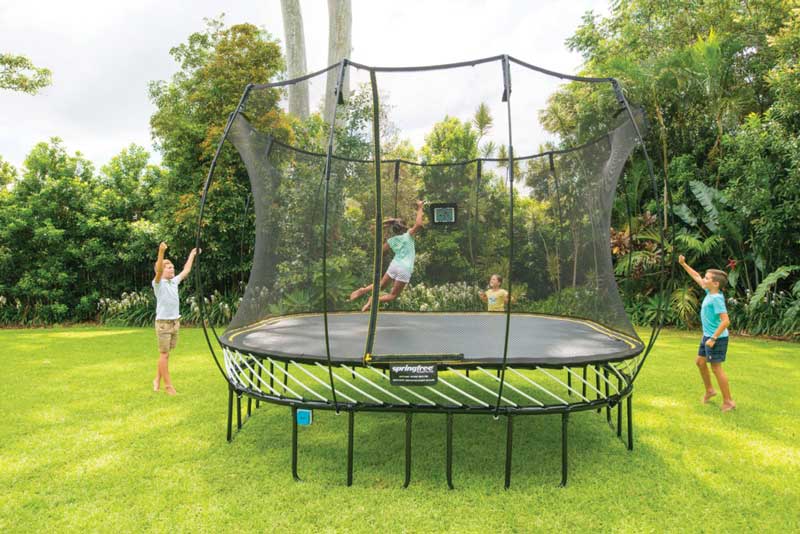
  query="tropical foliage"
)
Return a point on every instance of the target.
[{"x": 718, "y": 83}]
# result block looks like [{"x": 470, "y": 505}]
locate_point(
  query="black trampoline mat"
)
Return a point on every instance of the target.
[{"x": 533, "y": 339}]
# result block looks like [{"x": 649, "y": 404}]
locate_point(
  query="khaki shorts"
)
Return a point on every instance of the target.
[{"x": 167, "y": 332}]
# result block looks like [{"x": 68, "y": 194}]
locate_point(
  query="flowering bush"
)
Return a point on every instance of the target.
[
  {"x": 139, "y": 309},
  {"x": 16, "y": 312},
  {"x": 458, "y": 296}
]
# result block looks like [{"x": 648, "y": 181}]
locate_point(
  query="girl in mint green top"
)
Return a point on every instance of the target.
[{"x": 402, "y": 265}]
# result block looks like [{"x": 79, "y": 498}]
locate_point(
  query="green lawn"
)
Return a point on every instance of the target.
[{"x": 86, "y": 445}]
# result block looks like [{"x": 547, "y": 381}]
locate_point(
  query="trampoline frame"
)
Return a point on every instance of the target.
[{"x": 238, "y": 386}]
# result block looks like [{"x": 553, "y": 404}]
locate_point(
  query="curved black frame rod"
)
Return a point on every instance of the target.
[
  {"x": 198, "y": 236},
  {"x": 507, "y": 100},
  {"x": 664, "y": 281},
  {"x": 328, "y": 155}
]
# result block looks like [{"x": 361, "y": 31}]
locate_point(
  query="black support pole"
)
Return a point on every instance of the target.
[
  {"x": 258, "y": 401},
  {"x": 294, "y": 444},
  {"x": 230, "y": 413},
  {"x": 619, "y": 410},
  {"x": 509, "y": 448},
  {"x": 449, "y": 451},
  {"x": 249, "y": 398},
  {"x": 350, "y": 425},
  {"x": 597, "y": 383},
  {"x": 583, "y": 389},
  {"x": 630, "y": 422},
  {"x": 564, "y": 419},
  {"x": 608, "y": 406},
  {"x": 238, "y": 411},
  {"x": 408, "y": 449},
  {"x": 569, "y": 383}
]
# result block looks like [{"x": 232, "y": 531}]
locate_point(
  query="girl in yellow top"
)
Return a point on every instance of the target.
[{"x": 495, "y": 297}]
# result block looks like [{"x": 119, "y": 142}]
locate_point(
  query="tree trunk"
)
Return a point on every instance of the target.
[
  {"x": 575, "y": 250},
  {"x": 340, "y": 23},
  {"x": 664, "y": 160},
  {"x": 295, "y": 56}
]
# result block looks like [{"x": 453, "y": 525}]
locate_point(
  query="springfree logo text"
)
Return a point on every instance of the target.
[{"x": 414, "y": 368}]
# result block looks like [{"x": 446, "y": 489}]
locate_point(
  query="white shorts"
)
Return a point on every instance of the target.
[{"x": 399, "y": 273}]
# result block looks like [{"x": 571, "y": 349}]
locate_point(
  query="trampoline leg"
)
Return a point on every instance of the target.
[
  {"x": 619, "y": 411},
  {"x": 285, "y": 376},
  {"x": 408, "y": 450},
  {"x": 249, "y": 399},
  {"x": 230, "y": 413},
  {"x": 583, "y": 389},
  {"x": 564, "y": 418},
  {"x": 449, "y": 451},
  {"x": 608, "y": 407},
  {"x": 350, "y": 424},
  {"x": 258, "y": 402},
  {"x": 569, "y": 383},
  {"x": 509, "y": 448},
  {"x": 238, "y": 411},
  {"x": 467, "y": 373},
  {"x": 294, "y": 444},
  {"x": 630, "y": 422},
  {"x": 271, "y": 374},
  {"x": 597, "y": 384}
]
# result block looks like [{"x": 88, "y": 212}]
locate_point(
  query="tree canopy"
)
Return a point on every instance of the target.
[{"x": 18, "y": 73}]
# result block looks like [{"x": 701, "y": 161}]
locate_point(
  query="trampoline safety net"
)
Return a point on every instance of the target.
[{"x": 530, "y": 206}]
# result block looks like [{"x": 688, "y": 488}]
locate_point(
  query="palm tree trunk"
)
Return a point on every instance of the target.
[
  {"x": 295, "y": 56},
  {"x": 340, "y": 24}
]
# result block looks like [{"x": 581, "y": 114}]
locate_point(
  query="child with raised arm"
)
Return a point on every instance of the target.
[
  {"x": 714, "y": 345},
  {"x": 165, "y": 286},
  {"x": 495, "y": 297},
  {"x": 402, "y": 265}
]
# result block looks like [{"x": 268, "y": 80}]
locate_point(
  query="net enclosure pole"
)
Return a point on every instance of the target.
[
  {"x": 552, "y": 164},
  {"x": 507, "y": 99},
  {"x": 378, "y": 250},
  {"x": 328, "y": 156},
  {"x": 198, "y": 278},
  {"x": 659, "y": 322},
  {"x": 396, "y": 184}
]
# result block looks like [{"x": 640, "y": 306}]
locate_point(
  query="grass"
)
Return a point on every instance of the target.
[{"x": 85, "y": 445}]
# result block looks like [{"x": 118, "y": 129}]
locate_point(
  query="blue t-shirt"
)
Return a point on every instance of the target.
[
  {"x": 713, "y": 305},
  {"x": 404, "y": 251}
]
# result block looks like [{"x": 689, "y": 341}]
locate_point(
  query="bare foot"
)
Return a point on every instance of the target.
[
  {"x": 709, "y": 394},
  {"x": 156, "y": 384},
  {"x": 727, "y": 406},
  {"x": 366, "y": 306},
  {"x": 357, "y": 293},
  {"x": 170, "y": 390}
]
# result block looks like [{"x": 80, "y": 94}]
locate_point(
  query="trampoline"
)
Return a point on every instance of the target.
[
  {"x": 539, "y": 214},
  {"x": 535, "y": 340}
]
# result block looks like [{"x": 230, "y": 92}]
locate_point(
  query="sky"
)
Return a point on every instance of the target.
[{"x": 103, "y": 54}]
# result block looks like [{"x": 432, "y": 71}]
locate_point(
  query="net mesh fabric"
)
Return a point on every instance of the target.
[{"x": 562, "y": 207}]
